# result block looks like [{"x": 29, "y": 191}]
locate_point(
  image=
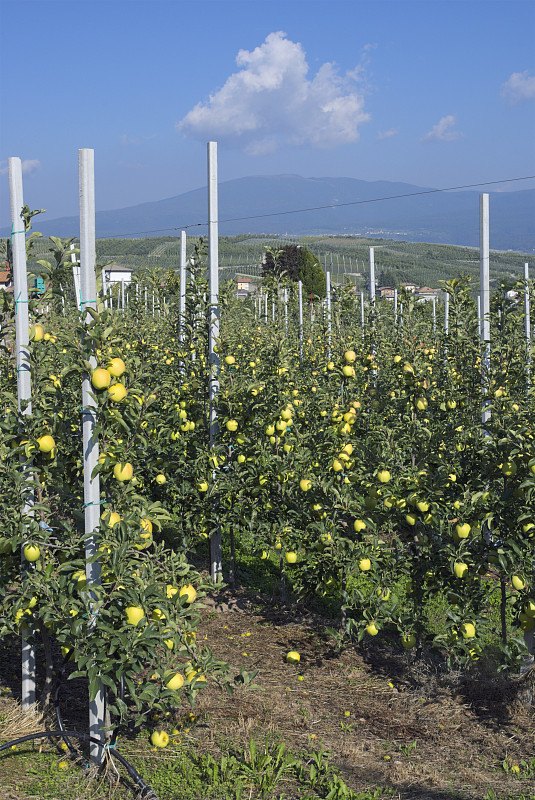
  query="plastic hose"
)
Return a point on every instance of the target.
[{"x": 147, "y": 792}]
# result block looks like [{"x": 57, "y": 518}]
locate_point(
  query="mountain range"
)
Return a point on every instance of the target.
[{"x": 265, "y": 204}]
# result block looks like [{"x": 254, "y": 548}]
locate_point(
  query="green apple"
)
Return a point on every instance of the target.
[
  {"x": 408, "y": 641},
  {"x": 46, "y": 443},
  {"x": 383, "y": 476},
  {"x": 232, "y": 425},
  {"x": 518, "y": 583},
  {"x": 290, "y": 557},
  {"x": 359, "y": 525},
  {"x": 31, "y": 552}
]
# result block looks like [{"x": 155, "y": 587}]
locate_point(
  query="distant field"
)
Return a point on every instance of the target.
[{"x": 345, "y": 256}]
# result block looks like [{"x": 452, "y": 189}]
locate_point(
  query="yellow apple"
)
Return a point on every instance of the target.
[
  {"x": 293, "y": 657},
  {"x": 31, "y": 552},
  {"x": 117, "y": 392},
  {"x": 100, "y": 378},
  {"x": 189, "y": 592},
  {"x": 134, "y": 615},
  {"x": 159, "y": 739},
  {"x": 174, "y": 681},
  {"x": 372, "y": 629},
  {"x": 123, "y": 472},
  {"x": 290, "y": 557},
  {"x": 116, "y": 367},
  {"x": 46, "y": 443}
]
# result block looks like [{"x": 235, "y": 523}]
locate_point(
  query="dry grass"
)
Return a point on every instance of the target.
[{"x": 386, "y": 718}]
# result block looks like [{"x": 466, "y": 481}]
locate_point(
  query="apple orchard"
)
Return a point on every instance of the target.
[{"x": 352, "y": 464}]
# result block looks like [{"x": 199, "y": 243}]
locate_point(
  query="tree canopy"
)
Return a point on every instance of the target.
[{"x": 296, "y": 263}]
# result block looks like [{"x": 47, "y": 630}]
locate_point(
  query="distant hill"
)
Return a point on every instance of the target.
[{"x": 260, "y": 204}]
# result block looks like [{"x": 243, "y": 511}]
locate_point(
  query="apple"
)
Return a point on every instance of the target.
[
  {"x": 100, "y": 378},
  {"x": 305, "y": 484},
  {"x": 123, "y": 472},
  {"x": 337, "y": 465},
  {"x": 509, "y": 469},
  {"x": 160, "y": 479},
  {"x": 350, "y": 356},
  {"x": 230, "y": 360},
  {"x": 460, "y": 569},
  {"x": 359, "y": 525},
  {"x": 116, "y": 367},
  {"x": 518, "y": 583},
  {"x": 159, "y": 739},
  {"x": 365, "y": 564},
  {"x": 113, "y": 518},
  {"x": 36, "y": 333},
  {"x": 421, "y": 403},
  {"x": 175, "y": 681},
  {"x": 241, "y": 459},
  {"x": 170, "y": 591},
  {"x": 189, "y": 592},
  {"x": 46, "y": 443},
  {"x": 232, "y": 425},
  {"x": 202, "y": 486},
  {"x": 348, "y": 371},
  {"x": 290, "y": 557},
  {"x": 408, "y": 641},
  {"x": 468, "y": 630},
  {"x": 462, "y": 530},
  {"x": 31, "y": 552},
  {"x": 372, "y": 629},
  {"x": 411, "y": 519},
  {"x": 117, "y": 392},
  {"x": 134, "y": 615},
  {"x": 383, "y": 476},
  {"x": 293, "y": 657},
  {"x": 422, "y": 506}
]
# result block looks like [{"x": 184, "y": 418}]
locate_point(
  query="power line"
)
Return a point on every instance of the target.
[{"x": 322, "y": 208}]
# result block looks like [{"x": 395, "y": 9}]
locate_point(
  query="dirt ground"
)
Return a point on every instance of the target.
[{"x": 387, "y": 718}]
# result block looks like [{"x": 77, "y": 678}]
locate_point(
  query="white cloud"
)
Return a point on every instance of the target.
[
  {"x": 443, "y": 131},
  {"x": 520, "y": 86},
  {"x": 387, "y": 134},
  {"x": 271, "y": 100},
  {"x": 29, "y": 166}
]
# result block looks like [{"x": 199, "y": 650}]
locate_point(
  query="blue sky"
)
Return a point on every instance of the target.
[{"x": 434, "y": 93}]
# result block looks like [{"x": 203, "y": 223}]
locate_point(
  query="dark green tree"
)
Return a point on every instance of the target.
[{"x": 295, "y": 263}]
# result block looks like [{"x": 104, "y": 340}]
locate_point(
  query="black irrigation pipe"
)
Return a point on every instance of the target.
[{"x": 147, "y": 792}]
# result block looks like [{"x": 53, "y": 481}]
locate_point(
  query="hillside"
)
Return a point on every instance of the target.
[{"x": 377, "y": 208}]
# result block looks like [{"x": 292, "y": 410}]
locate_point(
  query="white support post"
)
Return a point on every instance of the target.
[
  {"x": 300, "y": 300},
  {"x": 122, "y": 295},
  {"x": 86, "y": 167},
  {"x": 329, "y": 325},
  {"x": 527, "y": 323},
  {"x": 362, "y": 309},
  {"x": 76, "y": 278},
  {"x": 24, "y": 385},
  {"x": 396, "y": 307},
  {"x": 372, "y": 277},
  {"x": 434, "y": 301},
  {"x": 216, "y": 557},
  {"x": 273, "y": 311},
  {"x": 286, "y": 311},
  {"x": 484, "y": 288},
  {"x": 266, "y": 307},
  {"x": 182, "y": 305}
]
